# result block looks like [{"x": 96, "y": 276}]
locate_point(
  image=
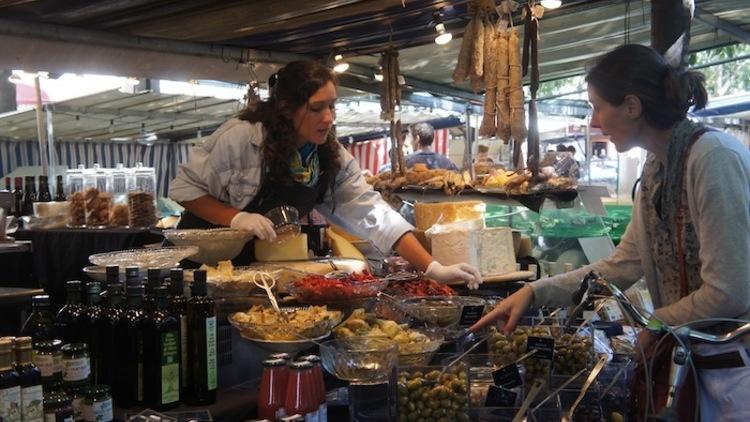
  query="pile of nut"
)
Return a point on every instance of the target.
[
  {"x": 77, "y": 210},
  {"x": 97, "y": 207},
  {"x": 142, "y": 209}
]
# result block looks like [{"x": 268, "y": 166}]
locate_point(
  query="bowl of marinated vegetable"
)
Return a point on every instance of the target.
[{"x": 336, "y": 287}]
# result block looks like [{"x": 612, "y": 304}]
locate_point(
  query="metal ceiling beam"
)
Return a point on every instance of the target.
[
  {"x": 735, "y": 31},
  {"x": 61, "y": 108}
]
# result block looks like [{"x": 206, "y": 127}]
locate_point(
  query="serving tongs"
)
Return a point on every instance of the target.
[
  {"x": 261, "y": 279},
  {"x": 568, "y": 416}
]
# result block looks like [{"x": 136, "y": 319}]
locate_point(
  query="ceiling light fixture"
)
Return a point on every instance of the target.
[
  {"x": 379, "y": 74},
  {"x": 443, "y": 37},
  {"x": 551, "y": 4},
  {"x": 340, "y": 66}
]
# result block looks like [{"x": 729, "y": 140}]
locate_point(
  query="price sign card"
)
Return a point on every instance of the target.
[
  {"x": 544, "y": 346},
  {"x": 508, "y": 376},
  {"x": 470, "y": 315},
  {"x": 500, "y": 397}
]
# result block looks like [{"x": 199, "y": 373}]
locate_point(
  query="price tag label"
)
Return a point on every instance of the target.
[
  {"x": 508, "y": 376},
  {"x": 470, "y": 315},
  {"x": 544, "y": 346},
  {"x": 500, "y": 397}
]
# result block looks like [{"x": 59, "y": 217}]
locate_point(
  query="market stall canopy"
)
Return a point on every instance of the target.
[{"x": 32, "y": 31}]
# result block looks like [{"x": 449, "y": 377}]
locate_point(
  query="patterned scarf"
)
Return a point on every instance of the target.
[
  {"x": 661, "y": 191},
  {"x": 305, "y": 165}
]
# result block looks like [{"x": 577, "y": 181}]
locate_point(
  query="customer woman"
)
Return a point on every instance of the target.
[
  {"x": 690, "y": 231},
  {"x": 283, "y": 151}
]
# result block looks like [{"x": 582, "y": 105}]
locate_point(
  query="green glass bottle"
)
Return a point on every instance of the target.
[
  {"x": 153, "y": 280},
  {"x": 128, "y": 391},
  {"x": 69, "y": 321},
  {"x": 161, "y": 355},
  {"x": 94, "y": 323},
  {"x": 201, "y": 319},
  {"x": 10, "y": 384},
  {"x": 40, "y": 325},
  {"x": 132, "y": 276},
  {"x": 30, "y": 378},
  {"x": 178, "y": 309},
  {"x": 111, "y": 316}
]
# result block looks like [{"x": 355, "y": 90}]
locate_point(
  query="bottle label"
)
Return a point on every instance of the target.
[
  {"x": 46, "y": 364},
  {"x": 76, "y": 369},
  {"x": 31, "y": 403},
  {"x": 78, "y": 408},
  {"x": 184, "y": 350},
  {"x": 170, "y": 368},
  {"x": 57, "y": 363},
  {"x": 211, "y": 352},
  {"x": 10, "y": 404},
  {"x": 98, "y": 411}
]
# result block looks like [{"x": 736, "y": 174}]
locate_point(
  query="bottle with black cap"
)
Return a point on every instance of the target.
[
  {"x": 153, "y": 280},
  {"x": 30, "y": 378},
  {"x": 94, "y": 321},
  {"x": 111, "y": 316},
  {"x": 178, "y": 309},
  {"x": 128, "y": 390},
  {"x": 113, "y": 275},
  {"x": 161, "y": 355},
  {"x": 69, "y": 321},
  {"x": 40, "y": 324},
  {"x": 201, "y": 319},
  {"x": 132, "y": 276}
]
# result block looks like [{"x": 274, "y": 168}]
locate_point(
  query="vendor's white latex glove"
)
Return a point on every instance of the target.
[
  {"x": 260, "y": 226},
  {"x": 444, "y": 274}
]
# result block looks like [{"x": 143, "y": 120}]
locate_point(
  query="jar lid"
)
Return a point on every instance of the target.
[
  {"x": 97, "y": 390},
  {"x": 22, "y": 343},
  {"x": 301, "y": 364},
  {"x": 48, "y": 345},
  {"x": 75, "y": 347},
  {"x": 79, "y": 390},
  {"x": 280, "y": 355},
  {"x": 273, "y": 363},
  {"x": 57, "y": 398},
  {"x": 311, "y": 358}
]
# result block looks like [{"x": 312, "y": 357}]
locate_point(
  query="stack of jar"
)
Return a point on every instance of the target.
[
  {"x": 293, "y": 389},
  {"x": 116, "y": 197}
]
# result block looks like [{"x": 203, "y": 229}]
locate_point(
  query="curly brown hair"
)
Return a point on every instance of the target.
[{"x": 295, "y": 84}]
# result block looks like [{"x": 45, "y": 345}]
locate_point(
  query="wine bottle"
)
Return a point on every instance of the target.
[
  {"x": 30, "y": 379},
  {"x": 201, "y": 319},
  {"x": 40, "y": 324},
  {"x": 161, "y": 355},
  {"x": 93, "y": 321},
  {"x": 44, "y": 193},
  {"x": 29, "y": 195},
  {"x": 69, "y": 321},
  {"x": 178, "y": 309},
  {"x": 60, "y": 190},
  {"x": 10, "y": 384},
  {"x": 132, "y": 276},
  {"x": 18, "y": 197},
  {"x": 128, "y": 391}
]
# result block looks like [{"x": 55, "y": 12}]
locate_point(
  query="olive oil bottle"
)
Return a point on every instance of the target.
[
  {"x": 40, "y": 324},
  {"x": 94, "y": 321},
  {"x": 128, "y": 390},
  {"x": 111, "y": 316},
  {"x": 132, "y": 276},
  {"x": 10, "y": 384},
  {"x": 161, "y": 355},
  {"x": 69, "y": 321},
  {"x": 178, "y": 309},
  {"x": 153, "y": 280},
  {"x": 201, "y": 319},
  {"x": 30, "y": 379}
]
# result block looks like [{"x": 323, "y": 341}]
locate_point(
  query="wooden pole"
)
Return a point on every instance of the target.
[{"x": 670, "y": 29}]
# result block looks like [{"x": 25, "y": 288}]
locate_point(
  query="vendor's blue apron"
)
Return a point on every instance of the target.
[{"x": 272, "y": 194}]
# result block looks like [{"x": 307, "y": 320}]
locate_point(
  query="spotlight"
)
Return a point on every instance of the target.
[
  {"x": 443, "y": 36},
  {"x": 551, "y": 4},
  {"x": 340, "y": 65}
]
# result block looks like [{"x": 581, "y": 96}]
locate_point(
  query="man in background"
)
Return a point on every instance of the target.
[{"x": 422, "y": 135}]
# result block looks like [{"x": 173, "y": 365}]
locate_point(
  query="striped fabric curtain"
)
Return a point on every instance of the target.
[
  {"x": 374, "y": 153},
  {"x": 164, "y": 157}
]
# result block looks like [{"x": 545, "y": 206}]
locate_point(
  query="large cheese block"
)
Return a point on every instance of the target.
[
  {"x": 489, "y": 249},
  {"x": 342, "y": 247},
  {"x": 290, "y": 249},
  {"x": 496, "y": 254},
  {"x": 427, "y": 214}
]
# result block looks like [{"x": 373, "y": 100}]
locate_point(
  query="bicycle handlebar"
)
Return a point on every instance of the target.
[{"x": 642, "y": 319}]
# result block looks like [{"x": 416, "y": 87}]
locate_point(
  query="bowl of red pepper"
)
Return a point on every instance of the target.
[{"x": 336, "y": 287}]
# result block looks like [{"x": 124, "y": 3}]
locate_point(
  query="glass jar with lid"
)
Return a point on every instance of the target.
[
  {"x": 121, "y": 183},
  {"x": 48, "y": 358},
  {"x": 58, "y": 407},
  {"x": 97, "y": 406},
  {"x": 76, "y": 364},
  {"x": 74, "y": 179},
  {"x": 142, "y": 199}
]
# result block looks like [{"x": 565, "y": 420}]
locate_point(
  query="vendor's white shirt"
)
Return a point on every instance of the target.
[{"x": 228, "y": 164}]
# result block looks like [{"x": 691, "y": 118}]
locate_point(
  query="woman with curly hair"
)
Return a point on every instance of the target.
[{"x": 283, "y": 151}]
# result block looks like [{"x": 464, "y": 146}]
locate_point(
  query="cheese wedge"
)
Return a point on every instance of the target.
[
  {"x": 290, "y": 249},
  {"x": 342, "y": 247}
]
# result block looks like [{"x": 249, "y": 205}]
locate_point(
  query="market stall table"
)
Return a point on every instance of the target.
[{"x": 60, "y": 254}]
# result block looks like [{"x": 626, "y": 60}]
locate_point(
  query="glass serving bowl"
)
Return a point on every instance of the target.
[
  {"x": 281, "y": 330},
  {"x": 285, "y": 221},
  {"x": 335, "y": 290},
  {"x": 284, "y": 346},
  {"x": 439, "y": 311},
  {"x": 419, "y": 353},
  {"x": 214, "y": 245},
  {"x": 144, "y": 258},
  {"x": 361, "y": 360}
]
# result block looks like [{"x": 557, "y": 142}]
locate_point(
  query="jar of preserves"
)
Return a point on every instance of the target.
[
  {"x": 48, "y": 359},
  {"x": 58, "y": 407},
  {"x": 97, "y": 406},
  {"x": 76, "y": 364},
  {"x": 78, "y": 396}
]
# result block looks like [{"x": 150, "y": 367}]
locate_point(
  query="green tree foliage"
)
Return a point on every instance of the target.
[{"x": 728, "y": 78}]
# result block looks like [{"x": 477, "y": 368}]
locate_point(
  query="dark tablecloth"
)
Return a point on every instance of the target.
[{"x": 60, "y": 254}]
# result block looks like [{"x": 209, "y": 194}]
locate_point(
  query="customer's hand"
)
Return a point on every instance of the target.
[
  {"x": 509, "y": 311},
  {"x": 447, "y": 273},
  {"x": 260, "y": 226}
]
